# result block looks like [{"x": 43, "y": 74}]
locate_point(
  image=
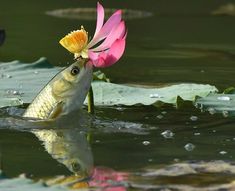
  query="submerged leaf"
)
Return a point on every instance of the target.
[{"x": 21, "y": 82}]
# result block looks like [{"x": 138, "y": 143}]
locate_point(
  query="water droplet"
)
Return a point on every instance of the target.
[
  {"x": 225, "y": 113},
  {"x": 176, "y": 160},
  {"x": 196, "y": 134},
  {"x": 214, "y": 131},
  {"x": 14, "y": 92},
  {"x": 193, "y": 118},
  {"x": 35, "y": 72},
  {"x": 8, "y": 76},
  {"x": 189, "y": 147},
  {"x": 224, "y": 98},
  {"x": 223, "y": 152},
  {"x": 150, "y": 160},
  {"x": 5, "y": 76},
  {"x": 146, "y": 143},
  {"x": 168, "y": 134},
  {"x": 160, "y": 116},
  {"x": 155, "y": 96},
  {"x": 212, "y": 111},
  {"x": 153, "y": 128},
  {"x": 120, "y": 108},
  {"x": 163, "y": 112}
]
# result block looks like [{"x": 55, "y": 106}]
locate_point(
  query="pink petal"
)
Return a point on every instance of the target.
[
  {"x": 115, "y": 52},
  {"x": 116, "y": 33},
  {"x": 112, "y": 22},
  {"x": 108, "y": 58},
  {"x": 100, "y": 18},
  {"x": 92, "y": 55}
]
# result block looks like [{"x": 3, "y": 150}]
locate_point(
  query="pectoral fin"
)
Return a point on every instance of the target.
[{"x": 57, "y": 110}]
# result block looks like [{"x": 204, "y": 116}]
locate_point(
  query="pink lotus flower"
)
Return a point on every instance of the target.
[{"x": 107, "y": 45}]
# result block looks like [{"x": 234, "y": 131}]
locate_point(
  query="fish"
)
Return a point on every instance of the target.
[
  {"x": 61, "y": 97},
  {"x": 69, "y": 146},
  {"x": 65, "y": 93}
]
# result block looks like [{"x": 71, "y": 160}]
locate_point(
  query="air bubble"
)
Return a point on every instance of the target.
[
  {"x": 189, "y": 147},
  {"x": 225, "y": 113},
  {"x": 160, "y": 116},
  {"x": 146, "y": 143},
  {"x": 193, "y": 118},
  {"x": 212, "y": 111},
  {"x": 223, "y": 152},
  {"x": 168, "y": 134}
]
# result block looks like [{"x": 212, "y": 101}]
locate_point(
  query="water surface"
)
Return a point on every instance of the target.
[{"x": 180, "y": 42}]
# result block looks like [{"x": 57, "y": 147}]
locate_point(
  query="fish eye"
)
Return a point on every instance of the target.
[
  {"x": 76, "y": 167},
  {"x": 75, "y": 70}
]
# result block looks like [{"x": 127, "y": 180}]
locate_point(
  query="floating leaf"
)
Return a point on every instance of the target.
[
  {"x": 109, "y": 94},
  {"x": 22, "y": 183},
  {"x": 21, "y": 82},
  {"x": 90, "y": 13},
  {"x": 227, "y": 9},
  {"x": 218, "y": 103},
  {"x": 230, "y": 90}
]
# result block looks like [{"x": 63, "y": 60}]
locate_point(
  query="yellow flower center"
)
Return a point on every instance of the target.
[{"x": 76, "y": 42}]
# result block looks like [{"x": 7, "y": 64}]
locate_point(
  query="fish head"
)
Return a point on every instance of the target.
[
  {"x": 70, "y": 147},
  {"x": 77, "y": 152},
  {"x": 71, "y": 85},
  {"x": 80, "y": 168}
]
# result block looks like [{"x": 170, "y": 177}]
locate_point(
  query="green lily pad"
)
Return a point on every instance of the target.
[
  {"x": 22, "y": 183},
  {"x": 91, "y": 13},
  {"x": 109, "y": 94},
  {"x": 227, "y": 9},
  {"x": 218, "y": 103},
  {"x": 21, "y": 82}
]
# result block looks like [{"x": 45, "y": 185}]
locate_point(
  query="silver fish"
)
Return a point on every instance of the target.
[{"x": 64, "y": 94}]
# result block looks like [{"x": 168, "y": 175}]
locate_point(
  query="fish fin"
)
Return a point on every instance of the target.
[{"x": 57, "y": 110}]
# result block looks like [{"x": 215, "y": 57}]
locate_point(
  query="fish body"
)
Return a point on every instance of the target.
[
  {"x": 66, "y": 92},
  {"x": 70, "y": 147}
]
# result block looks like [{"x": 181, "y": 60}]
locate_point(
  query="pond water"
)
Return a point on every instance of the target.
[{"x": 179, "y": 41}]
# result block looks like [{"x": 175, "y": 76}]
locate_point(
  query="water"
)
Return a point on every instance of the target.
[{"x": 181, "y": 42}]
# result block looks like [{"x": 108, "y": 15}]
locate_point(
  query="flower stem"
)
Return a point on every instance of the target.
[{"x": 90, "y": 101}]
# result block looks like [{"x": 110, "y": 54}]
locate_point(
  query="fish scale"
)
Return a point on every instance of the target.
[{"x": 43, "y": 105}]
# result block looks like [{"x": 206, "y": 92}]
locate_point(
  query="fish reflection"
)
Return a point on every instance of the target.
[{"x": 67, "y": 142}]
